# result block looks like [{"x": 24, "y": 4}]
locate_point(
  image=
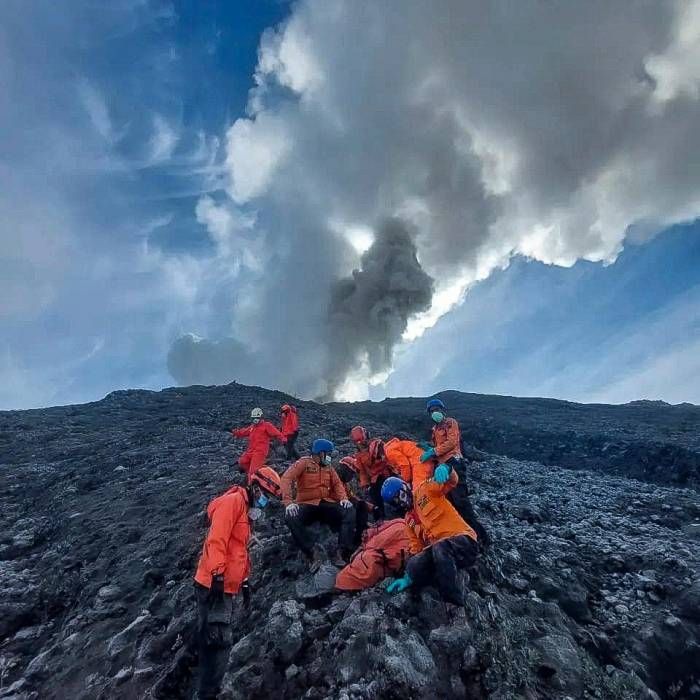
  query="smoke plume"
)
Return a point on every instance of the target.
[
  {"x": 547, "y": 130},
  {"x": 369, "y": 310}
]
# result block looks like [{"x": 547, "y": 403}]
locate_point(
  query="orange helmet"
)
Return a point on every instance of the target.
[
  {"x": 359, "y": 434},
  {"x": 286, "y": 408},
  {"x": 349, "y": 462},
  {"x": 268, "y": 480},
  {"x": 376, "y": 450}
]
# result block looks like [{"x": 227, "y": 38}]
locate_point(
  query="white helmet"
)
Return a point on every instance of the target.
[{"x": 256, "y": 413}]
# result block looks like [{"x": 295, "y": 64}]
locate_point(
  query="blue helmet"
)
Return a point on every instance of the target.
[
  {"x": 435, "y": 403},
  {"x": 391, "y": 487},
  {"x": 322, "y": 445}
]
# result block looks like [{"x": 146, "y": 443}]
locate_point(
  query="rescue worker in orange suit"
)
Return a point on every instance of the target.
[
  {"x": 223, "y": 571},
  {"x": 447, "y": 449},
  {"x": 383, "y": 552},
  {"x": 440, "y": 541},
  {"x": 320, "y": 497},
  {"x": 372, "y": 469},
  {"x": 289, "y": 427},
  {"x": 347, "y": 471},
  {"x": 259, "y": 433},
  {"x": 403, "y": 456}
]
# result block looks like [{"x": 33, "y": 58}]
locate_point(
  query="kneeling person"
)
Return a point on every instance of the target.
[
  {"x": 320, "y": 497},
  {"x": 440, "y": 541},
  {"x": 223, "y": 572}
]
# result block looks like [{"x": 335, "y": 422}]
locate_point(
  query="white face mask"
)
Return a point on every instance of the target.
[{"x": 327, "y": 460}]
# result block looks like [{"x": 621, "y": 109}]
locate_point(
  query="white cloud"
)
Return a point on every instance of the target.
[
  {"x": 163, "y": 141},
  {"x": 96, "y": 108},
  {"x": 255, "y": 149}
]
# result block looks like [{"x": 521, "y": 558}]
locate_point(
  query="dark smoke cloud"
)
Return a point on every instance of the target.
[{"x": 368, "y": 311}]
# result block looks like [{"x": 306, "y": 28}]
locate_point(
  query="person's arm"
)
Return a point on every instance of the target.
[
  {"x": 274, "y": 433},
  {"x": 219, "y": 533},
  {"x": 241, "y": 432},
  {"x": 361, "y": 460},
  {"x": 415, "y": 543},
  {"x": 337, "y": 487},
  {"x": 288, "y": 478},
  {"x": 401, "y": 463},
  {"x": 451, "y": 441}
]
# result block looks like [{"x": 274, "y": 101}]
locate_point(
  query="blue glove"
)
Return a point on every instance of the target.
[
  {"x": 428, "y": 454},
  {"x": 399, "y": 585},
  {"x": 442, "y": 474}
]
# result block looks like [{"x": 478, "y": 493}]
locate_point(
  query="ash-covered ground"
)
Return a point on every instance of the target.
[{"x": 590, "y": 590}]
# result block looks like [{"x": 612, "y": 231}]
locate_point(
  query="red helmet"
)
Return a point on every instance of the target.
[
  {"x": 359, "y": 434},
  {"x": 268, "y": 480},
  {"x": 349, "y": 462},
  {"x": 376, "y": 450}
]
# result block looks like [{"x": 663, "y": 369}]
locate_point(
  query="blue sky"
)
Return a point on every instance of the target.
[{"x": 208, "y": 172}]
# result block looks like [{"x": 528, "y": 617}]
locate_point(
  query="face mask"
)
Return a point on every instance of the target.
[
  {"x": 437, "y": 416},
  {"x": 254, "y": 514},
  {"x": 327, "y": 460},
  {"x": 262, "y": 501}
]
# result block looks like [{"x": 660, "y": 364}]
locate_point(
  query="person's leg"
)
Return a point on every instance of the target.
[
  {"x": 421, "y": 569},
  {"x": 213, "y": 643},
  {"x": 375, "y": 494},
  {"x": 342, "y": 521},
  {"x": 257, "y": 460},
  {"x": 459, "y": 497},
  {"x": 447, "y": 554},
  {"x": 361, "y": 520},
  {"x": 292, "y": 452},
  {"x": 464, "y": 550},
  {"x": 298, "y": 526},
  {"x": 244, "y": 462}
]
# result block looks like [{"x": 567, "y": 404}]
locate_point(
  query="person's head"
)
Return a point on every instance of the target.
[
  {"x": 322, "y": 451},
  {"x": 376, "y": 450},
  {"x": 436, "y": 410},
  {"x": 264, "y": 484},
  {"x": 256, "y": 415},
  {"x": 397, "y": 492},
  {"x": 359, "y": 436},
  {"x": 286, "y": 408},
  {"x": 347, "y": 469}
]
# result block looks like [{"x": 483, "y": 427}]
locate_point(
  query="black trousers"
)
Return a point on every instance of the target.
[
  {"x": 459, "y": 498},
  {"x": 339, "y": 519},
  {"x": 292, "y": 452},
  {"x": 214, "y": 640},
  {"x": 375, "y": 495},
  {"x": 439, "y": 563},
  {"x": 362, "y": 510}
]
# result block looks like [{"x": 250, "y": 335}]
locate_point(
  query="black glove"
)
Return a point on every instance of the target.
[
  {"x": 245, "y": 593},
  {"x": 216, "y": 591}
]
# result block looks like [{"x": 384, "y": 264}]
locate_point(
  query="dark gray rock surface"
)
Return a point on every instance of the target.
[{"x": 590, "y": 589}]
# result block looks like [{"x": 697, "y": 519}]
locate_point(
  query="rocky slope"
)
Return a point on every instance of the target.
[
  {"x": 591, "y": 589},
  {"x": 647, "y": 440}
]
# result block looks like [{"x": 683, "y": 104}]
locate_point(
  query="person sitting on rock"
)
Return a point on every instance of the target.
[
  {"x": 259, "y": 433},
  {"x": 439, "y": 539},
  {"x": 223, "y": 571},
  {"x": 446, "y": 448},
  {"x": 289, "y": 427},
  {"x": 404, "y": 457},
  {"x": 320, "y": 497},
  {"x": 372, "y": 468},
  {"x": 347, "y": 471}
]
